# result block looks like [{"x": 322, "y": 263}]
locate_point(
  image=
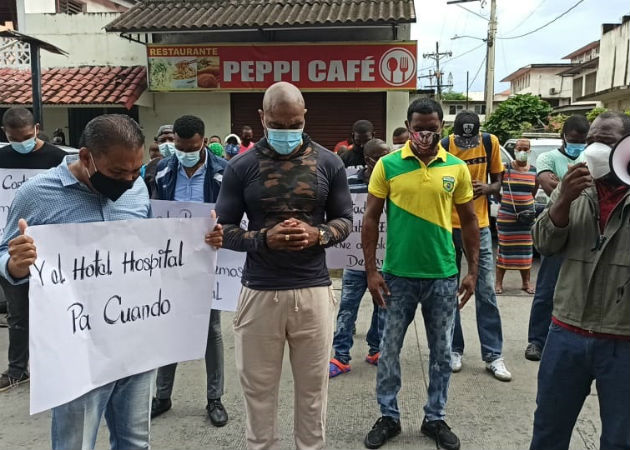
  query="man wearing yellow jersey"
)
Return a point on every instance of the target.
[
  {"x": 482, "y": 154},
  {"x": 421, "y": 184}
]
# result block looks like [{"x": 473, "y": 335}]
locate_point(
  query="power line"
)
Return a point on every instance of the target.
[
  {"x": 542, "y": 26},
  {"x": 531, "y": 13},
  {"x": 477, "y": 74},
  {"x": 465, "y": 53}
]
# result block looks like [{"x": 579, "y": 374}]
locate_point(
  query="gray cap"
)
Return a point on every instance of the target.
[{"x": 165, "y": 129}]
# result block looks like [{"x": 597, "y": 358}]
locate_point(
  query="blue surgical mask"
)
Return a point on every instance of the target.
[
  {"x": 166, "y": 149},
  {"x": 284, "y": 141},
  {"x": 24, "y": 147},
  {"x": 573, "y": 150},
  {"x": 188, "y": 159}
]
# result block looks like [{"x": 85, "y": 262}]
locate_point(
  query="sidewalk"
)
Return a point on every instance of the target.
[{"x": 484, "y": 412}]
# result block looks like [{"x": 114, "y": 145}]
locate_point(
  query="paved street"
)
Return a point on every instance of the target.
[{"x": 485, "y": 413}]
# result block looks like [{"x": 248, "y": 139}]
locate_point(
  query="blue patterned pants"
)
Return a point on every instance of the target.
[{"x": 438, "y": 302}]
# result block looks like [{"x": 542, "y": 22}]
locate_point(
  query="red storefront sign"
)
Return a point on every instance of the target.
[{"x": 310, "y": 66}]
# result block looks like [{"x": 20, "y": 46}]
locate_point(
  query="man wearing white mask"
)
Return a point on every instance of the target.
[
  {"x": 25, "y": 151},
  {"x": 295, "y": 194},
  {"x": 166, "y": 140},
  {"x": 400, "y": 136},
  {"x": 587, "y": 221},
  {"x": 193, "y": 174}
]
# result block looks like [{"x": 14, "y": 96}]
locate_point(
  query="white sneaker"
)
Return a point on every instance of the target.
[
  {"x": 498, "y": 369},
  {"x": 456, "y": 362}
]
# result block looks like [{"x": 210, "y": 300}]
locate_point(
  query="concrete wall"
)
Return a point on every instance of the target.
[
  {"x": 614, "y": 69},
  {"x": 212, "y": 107},
  {"x": 50, "y": 6},
  {"x": 55, "y": 117},
  {"x": 84, "y": 38},
  {"x": 543, "y": 80},
  {"x": 396, "y": 106}
]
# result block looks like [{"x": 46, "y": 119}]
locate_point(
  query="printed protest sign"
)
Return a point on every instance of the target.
[
  {"x": 113, "y": 299},
  {"x": 227, "y": 282},
  {"x": 349, "y": 253},
  {"x": 10, "y": 182}
]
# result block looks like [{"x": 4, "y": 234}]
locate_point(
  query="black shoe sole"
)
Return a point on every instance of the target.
[
  {"x": 437, "y": 441},
  {"x": 373, "y": 446}
]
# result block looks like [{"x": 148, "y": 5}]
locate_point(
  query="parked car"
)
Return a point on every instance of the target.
[{"x": 539, "y": 146}]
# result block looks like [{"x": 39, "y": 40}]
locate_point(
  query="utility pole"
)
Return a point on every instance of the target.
[
  {"x": 467, "y": 90},
  {"x": 490, "y": 50},
  {"x": 438, "y": 75}
]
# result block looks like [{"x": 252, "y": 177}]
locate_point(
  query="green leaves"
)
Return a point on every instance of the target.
[{"x": 516, "y": 114}]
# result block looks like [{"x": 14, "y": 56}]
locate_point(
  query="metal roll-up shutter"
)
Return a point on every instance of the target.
[{"x": 329, "y": 118}]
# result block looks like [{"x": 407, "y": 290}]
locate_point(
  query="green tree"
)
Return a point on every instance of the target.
[
  {"x": 454, "y": 96},
  {"x": 593, "y": 113},
  {"x": 516, "y": 113}
]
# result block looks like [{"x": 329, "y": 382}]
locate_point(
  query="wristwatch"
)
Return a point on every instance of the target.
[{"x": 324, "y": 236}]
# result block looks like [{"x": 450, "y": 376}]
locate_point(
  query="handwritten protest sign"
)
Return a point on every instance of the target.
[
  {"x": 227, "y": 282},
  {"x": 113, "y": 299},
  {"x": 349, "y": 253},
  {"x": 10, "y": 182}
]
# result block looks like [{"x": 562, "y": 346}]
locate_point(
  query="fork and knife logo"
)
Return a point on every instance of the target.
[{"x": 398, "y": 66}]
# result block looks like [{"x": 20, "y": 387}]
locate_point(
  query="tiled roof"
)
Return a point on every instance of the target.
[
  {"x": 177, "y": 15},
  {"x": 76, "y": 85}
]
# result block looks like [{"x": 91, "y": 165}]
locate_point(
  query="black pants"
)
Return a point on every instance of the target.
[{"x": 17, "y": 317}]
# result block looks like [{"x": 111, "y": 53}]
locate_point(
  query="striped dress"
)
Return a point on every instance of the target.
[{"x": 515, "y": 239}]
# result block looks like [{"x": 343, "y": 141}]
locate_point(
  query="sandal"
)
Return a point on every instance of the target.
[
  {"x": 498, "y": 290},
  {"x": 529, "y": 290}
]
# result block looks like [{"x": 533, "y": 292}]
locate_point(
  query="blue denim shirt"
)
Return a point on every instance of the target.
[
  {"x": 56, "y": 196},
  {"x": 190, "y": 189}
]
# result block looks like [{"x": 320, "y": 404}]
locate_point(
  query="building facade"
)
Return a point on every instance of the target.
[{"x": 544, "y": 81}]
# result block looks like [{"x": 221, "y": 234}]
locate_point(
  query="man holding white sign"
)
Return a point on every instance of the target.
[
  {"x": 354, "y": 284},
  {"x": 101, "y": 184},
  {"x": 193, "y": 174},
  {"x": 24, "y": 157}
]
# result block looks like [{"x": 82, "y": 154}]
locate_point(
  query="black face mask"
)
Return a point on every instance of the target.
[{"x": 109, "y": 187}]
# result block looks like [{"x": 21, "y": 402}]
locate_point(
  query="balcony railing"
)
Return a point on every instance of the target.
[{"x": 14, "y": 54}]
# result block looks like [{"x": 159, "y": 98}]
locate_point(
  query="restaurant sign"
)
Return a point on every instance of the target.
[{"x": 310, "y": 66}]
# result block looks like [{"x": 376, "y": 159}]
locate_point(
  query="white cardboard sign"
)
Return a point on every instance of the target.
[
  {"x": 10, "y": 182},
  {"x": 227, "y": 282},
  {"x": 113, "y": 299},
  {"x": 349, "y": 253}
]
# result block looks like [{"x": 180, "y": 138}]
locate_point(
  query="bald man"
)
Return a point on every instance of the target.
[{"x": 295, "y": 194}]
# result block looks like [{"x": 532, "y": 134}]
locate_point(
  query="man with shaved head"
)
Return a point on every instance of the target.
[{"x": 295, "y": 194}]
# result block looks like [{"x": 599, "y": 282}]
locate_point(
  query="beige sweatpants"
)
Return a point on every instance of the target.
[{"x": 263, "y": 322}]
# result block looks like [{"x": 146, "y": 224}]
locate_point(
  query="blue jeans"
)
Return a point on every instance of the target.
[
  {"x": 486, "y": 308},
  {"x": 570, "y": 363},
  {"x": 542, "y": 306},
  {"x": 126, "y": 404},
  {"x": 438, "y": 300},
  {"x": 354, "y": 285}
]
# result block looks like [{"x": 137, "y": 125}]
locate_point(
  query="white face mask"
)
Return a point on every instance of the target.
[
  {"x": 597, "y": 156},
  {"x": 522, "y": 156}
]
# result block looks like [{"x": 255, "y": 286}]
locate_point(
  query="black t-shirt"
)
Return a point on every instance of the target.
[
  {"x": 353, "y": 157},
  {"x": 45, "y": 158}
]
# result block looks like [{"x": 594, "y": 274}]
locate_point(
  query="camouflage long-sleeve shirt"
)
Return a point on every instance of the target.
[{"x": 310, "y": 185}]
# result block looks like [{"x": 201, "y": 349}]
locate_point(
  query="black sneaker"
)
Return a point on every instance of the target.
[
  {"x": 160, "y": 406},
  {"x": 533, "y": 352},
  {"x": 383, "y": 430},
  {"x": 440, "y": 433},
  {"x": 217, "y": 413},
  {"x": 7, "y": 382}
]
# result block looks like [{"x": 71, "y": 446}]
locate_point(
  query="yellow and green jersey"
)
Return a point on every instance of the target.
[{"x": 420, "y": 200}]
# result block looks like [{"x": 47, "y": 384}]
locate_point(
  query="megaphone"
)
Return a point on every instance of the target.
[{"x": 620, "y": 160}]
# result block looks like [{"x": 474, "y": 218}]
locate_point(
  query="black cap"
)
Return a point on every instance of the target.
[{"x": 466, "y": 124}]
